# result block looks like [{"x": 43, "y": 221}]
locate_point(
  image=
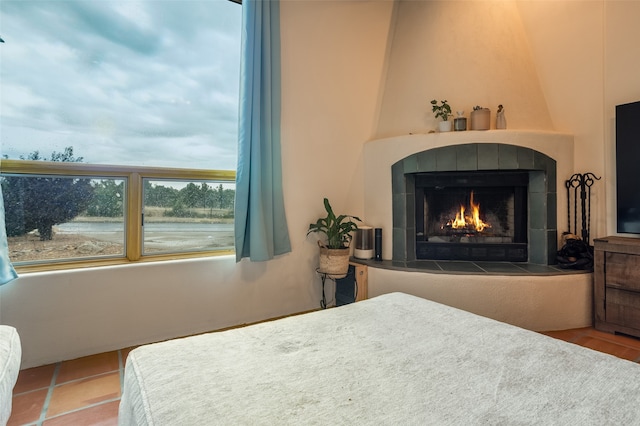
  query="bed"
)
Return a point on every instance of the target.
[
  {"x": 393, "y": 359},
  {"x": 10, "y": 354}
]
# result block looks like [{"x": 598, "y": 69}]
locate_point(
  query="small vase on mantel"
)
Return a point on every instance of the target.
[
  {"x": 480, "y": 118},
  {"x": 460, "y": 122},
  {"x": 444, "y": 126},
  {"x": 501, "y": 120}
]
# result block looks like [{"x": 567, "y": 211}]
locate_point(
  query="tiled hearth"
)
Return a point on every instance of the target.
[{"x": 475, "y": 268}]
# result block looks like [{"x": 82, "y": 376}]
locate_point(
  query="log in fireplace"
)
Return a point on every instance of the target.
[{"x": 472, "y": 216}]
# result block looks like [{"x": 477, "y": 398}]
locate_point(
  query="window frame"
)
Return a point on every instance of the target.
[{"x": 133, "y": 175}]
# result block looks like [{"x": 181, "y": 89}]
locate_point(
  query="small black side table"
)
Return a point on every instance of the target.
[{"x": 350, "y": 277}]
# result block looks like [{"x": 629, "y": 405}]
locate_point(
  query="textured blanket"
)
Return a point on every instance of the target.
[
  {"x": 391, "y": 360},
  {"x": 10, "y": 353}
]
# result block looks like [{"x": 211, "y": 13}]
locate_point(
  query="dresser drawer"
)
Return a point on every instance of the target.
[
  {"x": 622, "y": 271},
  {"x": 616, "y": 285},
  {"x": 622, "y": 307}
]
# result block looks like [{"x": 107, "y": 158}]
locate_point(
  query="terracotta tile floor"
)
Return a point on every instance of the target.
[
  {"x": 83, "y": 391},
  {"x": 86, "y": 391}
]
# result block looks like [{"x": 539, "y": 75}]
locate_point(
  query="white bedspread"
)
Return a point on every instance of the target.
[
  {"x": 10, "y": 354},
  {"x": 391, "y": 360}
]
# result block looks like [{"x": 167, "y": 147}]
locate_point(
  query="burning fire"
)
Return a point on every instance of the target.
[{"x": 469, "y": 222}]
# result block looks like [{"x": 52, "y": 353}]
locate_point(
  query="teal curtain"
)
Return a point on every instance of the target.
[
  {"x": 7, "y": 273},
  {"x": 260, "y": 223}
]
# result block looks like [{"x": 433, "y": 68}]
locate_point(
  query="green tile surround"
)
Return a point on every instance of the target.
[{"x": 542, "y": 199}]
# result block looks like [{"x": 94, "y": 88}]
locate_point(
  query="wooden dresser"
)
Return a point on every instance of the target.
[{"x": 616, "y": 294}]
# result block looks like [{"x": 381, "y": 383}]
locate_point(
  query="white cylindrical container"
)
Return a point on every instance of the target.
[{"x": 363, "y": 248}]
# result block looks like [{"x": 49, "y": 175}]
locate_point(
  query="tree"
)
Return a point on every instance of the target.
[
  {"x": 159, "y": 195},
  {"x": 227, "y": 198},
  {"x": 108, "y": 199},
  {"x": 190, "y": 195},
  {"x": 204, "y": 195},
  {"x": 42, "y": 202}
]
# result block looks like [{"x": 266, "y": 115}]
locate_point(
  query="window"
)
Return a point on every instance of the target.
[
  {"x": 119, "y": 213},
  {"x": 58, "y": 218},
  {"x": 126, "y": 101},
  {"x": 187, "y": 215}
]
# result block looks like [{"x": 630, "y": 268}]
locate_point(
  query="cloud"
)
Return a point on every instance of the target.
[{"x": 124, "y": 82}]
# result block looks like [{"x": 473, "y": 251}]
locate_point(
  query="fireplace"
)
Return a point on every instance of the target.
[
  {"x": 477, "y": 215},
  {"x": 514, "y": 186}
]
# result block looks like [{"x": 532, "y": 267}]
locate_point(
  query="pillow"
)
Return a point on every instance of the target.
[{"x": 10, "y": 355}]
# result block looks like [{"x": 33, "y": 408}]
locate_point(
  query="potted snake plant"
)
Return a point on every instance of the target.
[{"x": 334, "y": 246}]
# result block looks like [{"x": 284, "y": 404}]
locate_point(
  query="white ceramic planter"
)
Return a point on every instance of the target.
[{"x": 444, "y": 126}]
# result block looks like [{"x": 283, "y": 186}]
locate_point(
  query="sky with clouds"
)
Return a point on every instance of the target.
[{"x": 151, "y": 83}]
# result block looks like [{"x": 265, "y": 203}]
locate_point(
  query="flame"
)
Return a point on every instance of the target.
[{"x": 461, "y": 221}]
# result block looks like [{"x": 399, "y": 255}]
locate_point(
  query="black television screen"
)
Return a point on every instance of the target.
[{"x": 628, "y": 168}]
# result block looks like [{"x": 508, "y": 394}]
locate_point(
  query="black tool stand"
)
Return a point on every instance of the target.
[{"x": 346, "y": 287}]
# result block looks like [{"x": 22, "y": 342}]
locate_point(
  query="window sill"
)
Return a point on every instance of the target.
[{"x": 97, "y": 263}]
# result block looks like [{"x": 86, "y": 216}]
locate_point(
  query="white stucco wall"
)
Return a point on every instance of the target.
[
  {"x": 67, "y": 314},
  {"x": 467, "y": 52},
  {"x": 332, "y": 61},
  {"x": 555, "y": 65},
  {"x": 541, "y": 303}
]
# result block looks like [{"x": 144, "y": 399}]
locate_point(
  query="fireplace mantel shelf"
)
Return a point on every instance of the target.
[
  {"x": 501, "y": 136},
  {"x": 553, "y": 144}
]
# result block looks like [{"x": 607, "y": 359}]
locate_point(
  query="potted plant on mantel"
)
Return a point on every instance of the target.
[
  {"x": 444, "y": 111},
  {"x": 334, "y": 253}
]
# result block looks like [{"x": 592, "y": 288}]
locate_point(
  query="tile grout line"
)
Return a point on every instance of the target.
[
  {"x": 75, "y": 410},
  {"x": 29, "y": 391},
  {"x": 121, "y": 370},
  {"x": 53, "y": 384},
  {"x": 45, "y": 405},
  {"x": 80, "y": 379}
]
